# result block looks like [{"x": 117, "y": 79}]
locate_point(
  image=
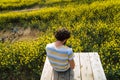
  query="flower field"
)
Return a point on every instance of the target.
[
  {"x": 94, "y": 26},
  {"x": 17, "y": 4}
]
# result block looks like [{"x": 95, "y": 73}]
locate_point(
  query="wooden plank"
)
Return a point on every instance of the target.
[
  {"x": 47, "y": 71},
  {"x": 97, "y": 67},
  {"x": 75, "y": 73},
  {"x": 86, "y": 71},
  {"x": 87, "y": 67}
]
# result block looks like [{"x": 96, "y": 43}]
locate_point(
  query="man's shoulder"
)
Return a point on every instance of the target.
[
  {"x": 49, "y": 45},
  {"x": 67, "y": 47}
]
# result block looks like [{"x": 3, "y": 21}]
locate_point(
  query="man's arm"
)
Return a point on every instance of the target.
[{"x": 72, "y": 64}]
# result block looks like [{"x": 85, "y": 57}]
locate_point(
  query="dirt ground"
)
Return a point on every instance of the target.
[{"x": 19, "y": 34}]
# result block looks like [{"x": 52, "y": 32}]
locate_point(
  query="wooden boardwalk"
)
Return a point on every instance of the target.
[{"x": 87, "y": 67}]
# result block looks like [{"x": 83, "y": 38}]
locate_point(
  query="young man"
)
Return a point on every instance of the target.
[{"x": 59, "y": 55}]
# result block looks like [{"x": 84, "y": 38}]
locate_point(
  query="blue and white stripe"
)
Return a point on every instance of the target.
[{"x": 59, "y": 57}]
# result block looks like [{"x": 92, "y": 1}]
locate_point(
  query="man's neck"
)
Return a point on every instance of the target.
[{"x": 58, "y": 43}]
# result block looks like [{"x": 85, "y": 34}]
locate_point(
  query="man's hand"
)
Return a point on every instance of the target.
[{"x": 72, "y": 64}]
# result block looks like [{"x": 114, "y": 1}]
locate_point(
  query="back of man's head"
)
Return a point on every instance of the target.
[{"x": 62, "y": 34}]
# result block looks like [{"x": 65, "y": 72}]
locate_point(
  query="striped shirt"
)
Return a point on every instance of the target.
[{"x": 59, "y": 57}]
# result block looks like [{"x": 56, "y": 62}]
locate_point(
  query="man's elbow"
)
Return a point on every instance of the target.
[{"x": 72, "y": 64}]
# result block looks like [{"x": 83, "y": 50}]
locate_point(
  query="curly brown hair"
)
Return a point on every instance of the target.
[{"x": 62, "y": 34}]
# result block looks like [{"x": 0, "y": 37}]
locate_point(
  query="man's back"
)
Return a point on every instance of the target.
[{"x": 59, "y": 56}]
